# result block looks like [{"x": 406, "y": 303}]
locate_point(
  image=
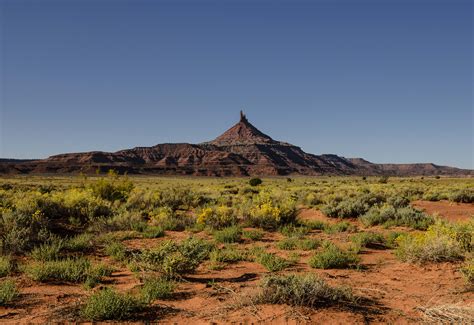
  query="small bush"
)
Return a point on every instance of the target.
[
  {"x": 339, "y": 227},
  {"x": 308, "y": 244},
  {"x": 468, "y": 271},
  {"x": 79, "y": 243},
  {"x": 173, "y": 259},
  {"x": 302, "y": 290},
  {"x": 270, "y": 215},
  {"x": 6, "y": 266},
  {"x": 228, "y": 254},
  {"x": 69, "y": 270},
  {"x": 441, "y": 242},
  {"x": 272, "y": 262},
  {"x": 370, "y": 240},
  {"x": 117, "y": 251},
  {"x": 157, "y": 288},
  {"x": 8, "y": 292},
  {"x": 389, "y": 216},
  {"x": 107, "y": 304},
  {"x": 294, "y": 231},
  {"x": 253, "y": 234},
  {"x": 351, "y": 207},
  {"x": 287, "y": 243},
  {"x": 228, "y": 235},
  {"x": 333, "y": 257},
  {"x": 217, "y": 218},
  {"x": 153, "y": 232},
  {"x": 463, "y": 196},
  {"x": 255, "y": 181},
  {"x": 315, "y": 224},
  {"x": 48, "y": 251}
]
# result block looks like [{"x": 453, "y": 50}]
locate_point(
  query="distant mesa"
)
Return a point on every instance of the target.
[{"x": 242, "y": 150}]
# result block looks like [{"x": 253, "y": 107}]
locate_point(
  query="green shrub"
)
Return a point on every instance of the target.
[
  {"x": 112, "y": 188},
  {"x": 438, "y": 244},
  {"x": 308, "y": 244},
  {"x": 255, "y": 234},
  {"x": 117, "y": 251},
  {"x": 333, "y": 257},
  {"x": 342, "y": 226},
  {"x": 270, "y": 214},
  {"x": 294, "y": 231},
  {"x": 228, "y": 235},
  {"x": 389, "y": 216},
  {"x": 255, "y": 181},
  {"x": 107, "y": 304},
  {"x": 48, "y": 251},
  {"x": 370, "y": 240},
  {"x": 218, "y": 217},
  {"x": 79, "y": 243},
  {"x": 8, "y": 292},
  {"x": 6, "y": 266},
  {"x": 315, "y": 224},
  {"x": 70, "y": 270},
  {"x": 157, "y": 288},
  {"x": 301, "y": 290},
  {"x": 228, "y": 254},
  {"x": 272, "y": 262},
  {"x": 351, "y": 207},
  {"x": 287, "y": 243},
  {"x": 391, "y": 239},
  {"x": 463, "y": 196},
  {"x": 153, "y": 232},
  {"x": 468, "y": 271},
  {"x": 168, "y": 219},
  {"x": 173, "y": 259}
]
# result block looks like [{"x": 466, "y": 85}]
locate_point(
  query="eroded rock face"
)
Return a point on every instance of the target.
[{"x": 240, "y": 151}]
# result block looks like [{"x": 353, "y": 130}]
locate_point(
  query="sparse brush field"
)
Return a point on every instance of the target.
[{"x": 202, "y": 250}]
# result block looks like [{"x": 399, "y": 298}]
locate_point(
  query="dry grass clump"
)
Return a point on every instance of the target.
[
  {"x": 448, "y": 314},
  {"x": 301, "y": 290}
]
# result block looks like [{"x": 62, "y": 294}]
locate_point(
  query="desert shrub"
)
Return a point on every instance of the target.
[
  {"x": 294, "y": 231},
  {"x": 398, "y": 201},
  {"x": 351, "y": 207},
  {"x": 269, "y": 215},
  {"x": 117, "y": 251},
  {"x": 20, "y": 232},
  {"x": 79, "y": 243},
  {"x": 391, "y": 238},
  {"x": 218, "y": 217},
  {"x": 157, "y": 288},
  {"x": 308, "y": 244},
  {"x": 48, "y": 251},
  {"x": 342, "y": 226},
  {"x": 389, "y": 216},
  {"x": 254, "y": 234},
  {"x": 112, "y": 188},
  {"x": 107, "y": 304},
  {"x": 69, "y": 270},
  {"x": 315, "y": 224},
  {"x": 168, "y": 219},
  {"x": 181, "y": 198},
  {"x": 272, "y": 262},
  {"x": 8, "y": 292},
  {"x": 255, "y": 181},
  {"x": 441, "y": 242},
  {"x": 228, "y": 235},
  {"x": 175, "y": 259},
  {"x": 6, "y": 266},
  {"x": 153, "y": 232},
  {"x": 383, "y": 179},
  {"x": 463, "y": 196},
  {"x": 287, "y": 243},
  {"x": 228, "y": 254},
  {"x": 468, "y": 271},
  {"x": 333, "y": 257},
  {"x": 301, "y": 290},
  {"x": 369, "y": 239}
]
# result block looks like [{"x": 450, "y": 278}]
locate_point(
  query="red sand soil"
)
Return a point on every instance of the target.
[
  {"x": 450, "y": 210},
  {"x": 394, "y": 289}
]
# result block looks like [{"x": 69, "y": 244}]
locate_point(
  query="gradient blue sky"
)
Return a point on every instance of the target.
[{"x": 389, "y": 81}]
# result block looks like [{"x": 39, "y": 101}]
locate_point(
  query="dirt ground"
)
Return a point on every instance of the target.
[{"x": 392, "y": 291}]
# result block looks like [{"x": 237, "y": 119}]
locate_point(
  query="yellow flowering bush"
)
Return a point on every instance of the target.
[
  {"x": 217, "y": 217},
  {"x": 442, "y": 241}
]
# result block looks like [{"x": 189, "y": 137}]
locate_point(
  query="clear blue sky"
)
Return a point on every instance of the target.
[{"x": 389, "y": 81}]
